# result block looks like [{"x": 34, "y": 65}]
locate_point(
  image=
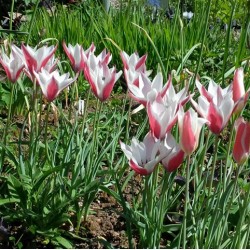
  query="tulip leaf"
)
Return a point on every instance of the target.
[
  {"x": 65, "y": 243},
  {"x": 14, "y": 32},
  {"x": 186, "y": 57},
  {"x": 8, "y": 200},
  {"x": 171, "y": 227}
]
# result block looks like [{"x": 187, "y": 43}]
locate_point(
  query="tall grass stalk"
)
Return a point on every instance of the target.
[
  {"x": 202, "y": 42},
  {"x": 228, "y": 41},
  {"x": 156, "y": 51},
  {"x": 6, "y": 128},
  {"x": 32, "y": 21},
  {"x": 11, "y": 18}
]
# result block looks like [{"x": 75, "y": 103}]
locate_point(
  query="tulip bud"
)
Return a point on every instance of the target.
[
  {"x": 241, "y": 149},
  {"x": 189, "y": 126}
]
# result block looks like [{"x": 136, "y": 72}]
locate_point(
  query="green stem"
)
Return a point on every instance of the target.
[
  {"x": 203, "y": 157},
  {"x": 96, "y": 123},
  {"x": 76, "y": 91},
  {"x": 7, "y": 124},
  {"x": 162, "y": 207},
  {"x": 91, "y": 174},
  {"x": 216, "y": 143},
  {"x": 46, "y": 131},
  {"x": 225, "y": 177},
  {"x": 243, "y": 211},
  {"x": 238, "y": 170},
  {"x": 186, "y": 202},
  {"x": 128, "y": 121},
  {"x": 85, "y": 113}
]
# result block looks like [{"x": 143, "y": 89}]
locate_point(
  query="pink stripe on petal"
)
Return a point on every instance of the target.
[
  {"x": 52, "y": 90},
  {"x": 238, "y": 85},
  {"x": 108, "y": 88},
  {"x": 238, "y": 150},
  {"x": 216, "y": 121},
  {"x": 175, "y": 161},
  {"x": 106, "y": 58},
  {"x": 172, "y": 123},
  {"x": 141, "y": 101},
  {"x": 138, "y": 169},
  {"x": 47, "y": 58},
  {"x": 31, "y": 62},
  {"x": 71, "y": 58},
  {"x": 205, "y": 93},
  {"x": 91, "y": 82},
  {"x": 141, "y": 62},
  {"x": 166, "y": 87},
  {"x": 124, "y": 60},
  {"x": 18, "y": 73},
  {"x": 155, "y": 126},
  {"x": 7, "y": 70},
  {"x": 188, "y": 139}
]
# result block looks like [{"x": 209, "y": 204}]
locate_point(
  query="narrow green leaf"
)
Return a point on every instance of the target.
[{"x": 64, "y": 242}]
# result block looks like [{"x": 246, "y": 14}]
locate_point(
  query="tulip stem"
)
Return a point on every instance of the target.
[
  {"x": 128, "y": 121},
  {"x": 237, "y": 242},
  {"x": 85, "y": 112},
  {"x": 238, "y": 171},
  {"x": 216, "y": 143},
  {"x": 92, "y": 169},
  {"x": 186, "y": 201},
  {"x": 225, "y": 179},
  {"x": 46, "y": 131},
  {"x": 203, "y": 157},
  {"x": 7, "y": 125}
]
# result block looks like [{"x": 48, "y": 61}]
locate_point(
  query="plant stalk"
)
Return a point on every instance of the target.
[{"x": 186, "y": 202}]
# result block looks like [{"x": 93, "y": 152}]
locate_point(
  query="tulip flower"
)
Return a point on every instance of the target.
[
  {"x": 175, "y": 155},
  {"x": 215, "y": 105},
  {"x": 241, "y": 149},
  {"x": 169, "y": 94},
  {"x": 240, "y": 97},
  {"x": 161, "y": 118},
  {"x": 144, "y": 90},
  {"x": 51, "y": 64},
  {"x": 134, "y": 66},
  {"x": 100, "y": 77},
  {"x": 12, "y": 65},
  {"x": 134, "y": 61},
  {"x": 36, "y": 59},
  {"x": 52, "y": 83},
  {"x": 189, "y": 127},
  {"x": 143, "y": 156},
  {"x": 75, "y": 55}
]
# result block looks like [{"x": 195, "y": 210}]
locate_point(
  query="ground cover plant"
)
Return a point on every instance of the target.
[{"x": 123, "y": 131}]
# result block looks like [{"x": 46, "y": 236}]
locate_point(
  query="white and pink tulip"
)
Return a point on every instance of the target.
[{"x": 52, "y": 83}]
